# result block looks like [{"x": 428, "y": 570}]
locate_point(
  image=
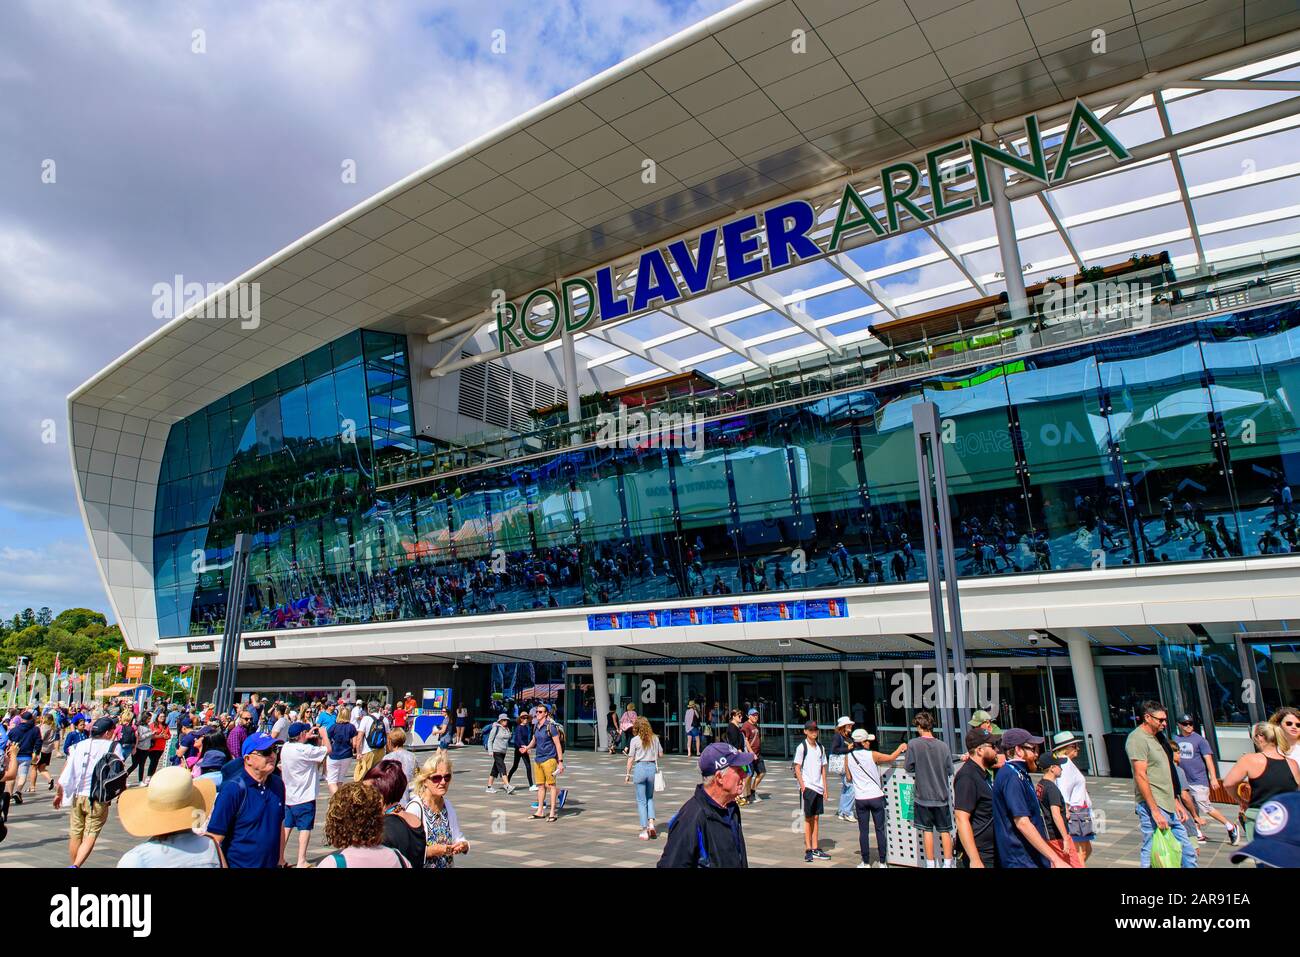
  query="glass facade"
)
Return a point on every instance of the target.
[
  {"x": 289, "y": 459},
  {"x": 1178, "y": 444}
]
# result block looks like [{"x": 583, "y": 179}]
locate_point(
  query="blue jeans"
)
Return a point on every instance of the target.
[
  {"x": 643, "y": 780},
  {"x": 846, "y": 796},
  {"x": 1175, "y": 827}
]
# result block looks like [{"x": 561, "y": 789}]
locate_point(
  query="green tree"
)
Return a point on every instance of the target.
[
  {"x": 44, "y": 616},
  {"x": 77, "y": 619}
]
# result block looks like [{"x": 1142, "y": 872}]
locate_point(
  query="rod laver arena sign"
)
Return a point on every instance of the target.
[{"x": 545, "y": 313}]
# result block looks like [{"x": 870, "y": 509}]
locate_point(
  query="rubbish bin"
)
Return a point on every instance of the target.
[{"x": 1119, "y": 766}]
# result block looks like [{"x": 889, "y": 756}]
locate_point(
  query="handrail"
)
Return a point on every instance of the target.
[{"x": 1195, "y": 294}]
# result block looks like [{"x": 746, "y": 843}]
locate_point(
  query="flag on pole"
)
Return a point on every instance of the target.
[
  {"x": 184, "y": 668},
  {"x": 56, "y": 665}
]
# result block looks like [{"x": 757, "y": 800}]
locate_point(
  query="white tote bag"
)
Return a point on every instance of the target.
[{"x": 660, "y": 784}]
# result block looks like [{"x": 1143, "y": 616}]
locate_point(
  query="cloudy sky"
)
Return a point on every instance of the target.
[{"x": 170, "y": 161}]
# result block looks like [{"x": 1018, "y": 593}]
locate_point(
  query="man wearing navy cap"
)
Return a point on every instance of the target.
[
  {"x": 706, "y": 831},
  {"x": 249, "y": 811},
  {"x": 1018, "y": 826}
]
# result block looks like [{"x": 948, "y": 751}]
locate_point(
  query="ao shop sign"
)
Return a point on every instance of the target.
[{"x": 580, "y": 301}]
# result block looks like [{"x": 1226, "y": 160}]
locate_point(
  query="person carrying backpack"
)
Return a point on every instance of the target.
[
  {"x": 372, "y": 732},
  {"x": 93, "y": 776}
]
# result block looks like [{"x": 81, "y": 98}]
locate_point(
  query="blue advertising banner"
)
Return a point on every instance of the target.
[
  {"x": 774, "y": 611},
  {"x": 690, "y": 616},
  {"x": 826, "y": 608},
  {"x": 793, "y": 610}
]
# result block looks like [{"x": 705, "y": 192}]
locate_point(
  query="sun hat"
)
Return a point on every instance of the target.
[
  {"x": 842, "y": 722},
  {"x": 173, "y": 801},
  {"x": 1065, "y": 739}
]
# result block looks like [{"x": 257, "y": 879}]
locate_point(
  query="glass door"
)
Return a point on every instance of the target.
[{"x": 761, "y": 690}]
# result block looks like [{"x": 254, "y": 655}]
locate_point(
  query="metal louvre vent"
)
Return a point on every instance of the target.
[
  {"x": 522, "y": 401},
  {"x": 472, "y": 390},
  {"x": 497, "y": 411},
  {"x": 499, "y": 396}
]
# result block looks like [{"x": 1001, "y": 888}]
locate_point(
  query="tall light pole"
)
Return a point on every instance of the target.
[{"x": 18, "y": 679}]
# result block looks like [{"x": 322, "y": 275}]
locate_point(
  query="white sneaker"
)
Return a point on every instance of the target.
[
  {"x": 644, "y": 836},
  {"x": 862, "y": 865},
  {"x": 532, "y": 787},
  {"x": 510, "y": 789},
  {"x": 491, "y": 790},
  {"x": 881, "y": 864}
]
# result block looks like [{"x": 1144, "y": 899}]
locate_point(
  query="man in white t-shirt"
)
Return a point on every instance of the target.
[
  {"x": 88, "y": 817},
  {"x": 810, "y": 773},
  {"x": 301, "y": 760}
]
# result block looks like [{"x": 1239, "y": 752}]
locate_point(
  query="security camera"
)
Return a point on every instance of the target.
[{"x": 1034, "y": 638}]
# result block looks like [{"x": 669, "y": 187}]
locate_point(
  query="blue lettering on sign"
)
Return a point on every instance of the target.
[
  {"x": 654, "y": 280},
  {"x": 738, "y": 247},
  {"x": 611, "y": 306},
  {"x": 697, "y": 272},
  {"x": 783, "y": 237}
]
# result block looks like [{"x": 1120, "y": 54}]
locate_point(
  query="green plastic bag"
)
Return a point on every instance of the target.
[{"x": 1165, "y": 850}]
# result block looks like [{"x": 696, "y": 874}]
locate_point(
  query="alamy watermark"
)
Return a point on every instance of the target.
[
  {"x": 1095, "y": 300},
  {"x": 919, "y": 688},
  {"x": 653, "y": 430},
  {"x": 242, "y": 301}
]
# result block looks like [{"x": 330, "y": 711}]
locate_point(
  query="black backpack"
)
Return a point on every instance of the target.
[
  {"x": 378, "y": 736},
  {"x": 108, "y": 780}
]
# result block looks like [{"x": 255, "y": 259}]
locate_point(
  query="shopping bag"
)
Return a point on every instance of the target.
[
  {"x": 660, "y": 784},
  {"x": 1072, "y": 858},
  {"x": 1165, "y": 850}
]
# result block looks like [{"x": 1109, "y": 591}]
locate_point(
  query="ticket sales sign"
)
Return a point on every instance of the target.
[{"x": 581, "y": 301}]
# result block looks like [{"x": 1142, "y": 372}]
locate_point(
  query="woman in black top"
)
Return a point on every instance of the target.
[
  {"x": 1267, "y": 770},
  {"x": 403, "y": 832}
]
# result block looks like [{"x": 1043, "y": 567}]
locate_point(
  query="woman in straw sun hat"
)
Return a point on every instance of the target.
[
  {"x": 171, "y": 812},
  {"x": 1074, "y": 789}
]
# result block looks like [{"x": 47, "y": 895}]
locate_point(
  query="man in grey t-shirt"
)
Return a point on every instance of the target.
[{"x": 930, "y": 762}]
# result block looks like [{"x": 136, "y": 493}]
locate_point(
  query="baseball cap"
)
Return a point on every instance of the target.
[
  {"x": 976, "y": 737},
  {"x": 1018, "y": 737},
  {"x": 1277, "y": 834},
  {"x": 979, "y": 717},
  {"x": 843, "y": 721},
  {"x": 103, "y": 726},
  {"x": 1186, "y": 719},
  {"x": 256, "y": 742},
  {"x": 810, "y": 726},
  {"x": 862, "y": 735},
  {"x": 297, "y": 728},
  {"x": 1046, "y": 761},
  {"x": 721, "y": 755},
  {"x": 753, "y": 711}
]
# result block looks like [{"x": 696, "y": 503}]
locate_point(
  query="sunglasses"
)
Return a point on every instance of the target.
[
  {"x": 265, "y": 752},
  {"x": 439, "y": 778}
]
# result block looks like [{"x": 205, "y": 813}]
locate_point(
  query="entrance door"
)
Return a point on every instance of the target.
[
  {"x": 762, "y": 690},
  {"x": 705, "y": 688}
]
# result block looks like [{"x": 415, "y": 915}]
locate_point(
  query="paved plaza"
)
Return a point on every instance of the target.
[{"x": 598, "y": 827}]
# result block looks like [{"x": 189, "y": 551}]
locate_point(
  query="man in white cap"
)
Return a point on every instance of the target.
[{"x": 171, "y": 813}]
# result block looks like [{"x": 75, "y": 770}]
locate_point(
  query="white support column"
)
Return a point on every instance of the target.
[
  {"x": 1006, "y": 227},
  {"x": 570, "y": 376},
  {"x": 600, "y": 693},
  {"x": 1085, "y": 687}
]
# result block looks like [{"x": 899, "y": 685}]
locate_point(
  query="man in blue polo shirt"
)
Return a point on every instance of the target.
[
  {"x": 249, "y": 812},
  {"x": 1017, "y": 817}
]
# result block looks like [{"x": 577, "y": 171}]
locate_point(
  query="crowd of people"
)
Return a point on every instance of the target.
[{"x": 203, "y": 788}]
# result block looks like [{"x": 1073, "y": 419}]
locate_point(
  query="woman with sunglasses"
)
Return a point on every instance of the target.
[
  {"x": 1268, "y": 770},
  {"x": 443, "y": 839},
  {"x": 1287, "y": 720}
]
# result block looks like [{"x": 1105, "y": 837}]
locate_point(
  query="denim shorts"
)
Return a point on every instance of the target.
[{"x": 302, "y": 816}]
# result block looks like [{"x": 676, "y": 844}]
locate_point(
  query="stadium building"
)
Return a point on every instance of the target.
[{"x": 619, "y": 395}]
